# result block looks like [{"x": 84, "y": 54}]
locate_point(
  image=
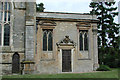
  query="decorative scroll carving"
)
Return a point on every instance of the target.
[{"x": 66, "y": 41}]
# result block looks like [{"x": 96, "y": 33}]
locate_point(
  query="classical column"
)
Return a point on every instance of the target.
[{"x": 95, "y": 48}]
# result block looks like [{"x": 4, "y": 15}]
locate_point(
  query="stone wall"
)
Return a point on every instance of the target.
[
  {"x": 17, "y": 36},
  {"x": 7, "y": 62},
  {"x": 80, "y": 61}
]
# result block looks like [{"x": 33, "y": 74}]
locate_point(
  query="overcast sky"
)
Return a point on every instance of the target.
[{"x": 70, "y": 6}]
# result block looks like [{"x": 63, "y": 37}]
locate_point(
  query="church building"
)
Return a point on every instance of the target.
[{"x": 46, "y": 42}]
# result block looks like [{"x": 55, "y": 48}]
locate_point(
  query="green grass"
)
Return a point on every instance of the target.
[{"x": 101, "y": 74}]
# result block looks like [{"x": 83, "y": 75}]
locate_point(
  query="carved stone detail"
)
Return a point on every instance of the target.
[{"x": 66, "y": 41}]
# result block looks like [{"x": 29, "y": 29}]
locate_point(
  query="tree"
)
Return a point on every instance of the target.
[
  {"x": 40, "y": 7},
  {"x": 107, "y": 29}
]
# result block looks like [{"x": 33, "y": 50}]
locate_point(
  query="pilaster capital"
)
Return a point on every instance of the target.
[{"x": 95, "y": 31}]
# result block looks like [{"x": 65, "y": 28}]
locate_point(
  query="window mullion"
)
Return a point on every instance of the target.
[{"x": 2, "y": 32}]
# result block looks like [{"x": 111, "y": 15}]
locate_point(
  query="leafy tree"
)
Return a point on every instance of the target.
[
  {"x": 107, "y": 29},
  {"x": 40, "y": 7}
]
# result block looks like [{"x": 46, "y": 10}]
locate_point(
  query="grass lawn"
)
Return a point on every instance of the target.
[{"x": 101, "y": 74}]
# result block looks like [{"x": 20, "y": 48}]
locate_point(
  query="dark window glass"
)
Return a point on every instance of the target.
[
  {"x": 8, "y": 16},
  {"x": 1, "y": 13},
  {"x": 45, "y": 41},
  {"x": 2, "y": 6},
  {"x": 0, "y": 33},
  {"x": 85, "y": 42},
  {"x": 6, "y": 35},
  {"x": 5, "y": 16},
  {"x": 81, "y": 42},
  {"x": 5, "y": 6},
  {"x": 9, "y": 6},
  {"x": 50, "y": 41}
]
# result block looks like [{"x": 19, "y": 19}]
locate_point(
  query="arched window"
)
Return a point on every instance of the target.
[
  {"x": 50, "y": 41},
  {"x": 0, "y": 33},
  {"x": 6, "y": 35},
  {"x": 81, "y": 42},
  {"x": 5, "y": 8},
  {"x": 45, "y": 41},
  {"x": 85, "y": 41}
]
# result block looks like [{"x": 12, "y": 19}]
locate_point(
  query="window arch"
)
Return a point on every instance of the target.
[
  {"x": 5, "y": 14},
  {"x": 6, "y": 35},
  {"x": 47, "y": 40}
]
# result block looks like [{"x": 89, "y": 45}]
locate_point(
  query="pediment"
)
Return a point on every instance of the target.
[
  {"x": 66, "y": 42},
  {"x": 47, "y": 23},
  {"x": 83, "y": 24}
]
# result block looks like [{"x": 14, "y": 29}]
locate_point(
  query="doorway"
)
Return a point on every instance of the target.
[
  {"x": 15, "y": 63},
  {"x": 66, "y": 60}
]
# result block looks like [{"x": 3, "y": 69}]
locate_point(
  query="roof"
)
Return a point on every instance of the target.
[{"x": 62, "y": 15}]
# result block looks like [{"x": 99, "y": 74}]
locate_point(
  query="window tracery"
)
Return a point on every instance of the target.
[
  {"x": 83, "y": 40},
  {"x": 47, "y": 40},
  {"x": 4, "y": 23}
]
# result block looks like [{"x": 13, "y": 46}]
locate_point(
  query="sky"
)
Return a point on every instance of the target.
[{"x": 69, "y": 6}]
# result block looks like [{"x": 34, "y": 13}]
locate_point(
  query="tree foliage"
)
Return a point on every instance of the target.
[
  {"x": 40, "y": 7},
  {"x": 107, "y": 29}
]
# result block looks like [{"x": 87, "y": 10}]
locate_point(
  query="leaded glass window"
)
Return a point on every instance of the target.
[
  {"x": 6, "y": 35},
  {"x": 5, "y": 23},
  {"x": 44, "y": 41},
  {"x": 83, "y": 40},
  {"x": 50, "y": 41},
  {"x": 47, "y": 40}
]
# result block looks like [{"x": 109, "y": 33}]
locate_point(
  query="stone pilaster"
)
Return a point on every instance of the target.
[
  {"x": 95, "y": 48},
  {"x": 30, "y": 30}
]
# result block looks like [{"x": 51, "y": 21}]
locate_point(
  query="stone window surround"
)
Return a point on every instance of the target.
[
  {"x": 44, "y": 27},
  {"x": 47, "y": 32},
  {"x": 83, "y": 26},
  {"x": 4, "y": 22},
  {"x": 47, "y": 25}
]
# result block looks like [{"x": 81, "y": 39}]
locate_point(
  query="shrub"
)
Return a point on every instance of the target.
[
  {"x": 103, "y": 68},
  {"x": 109, "y": 56}
]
